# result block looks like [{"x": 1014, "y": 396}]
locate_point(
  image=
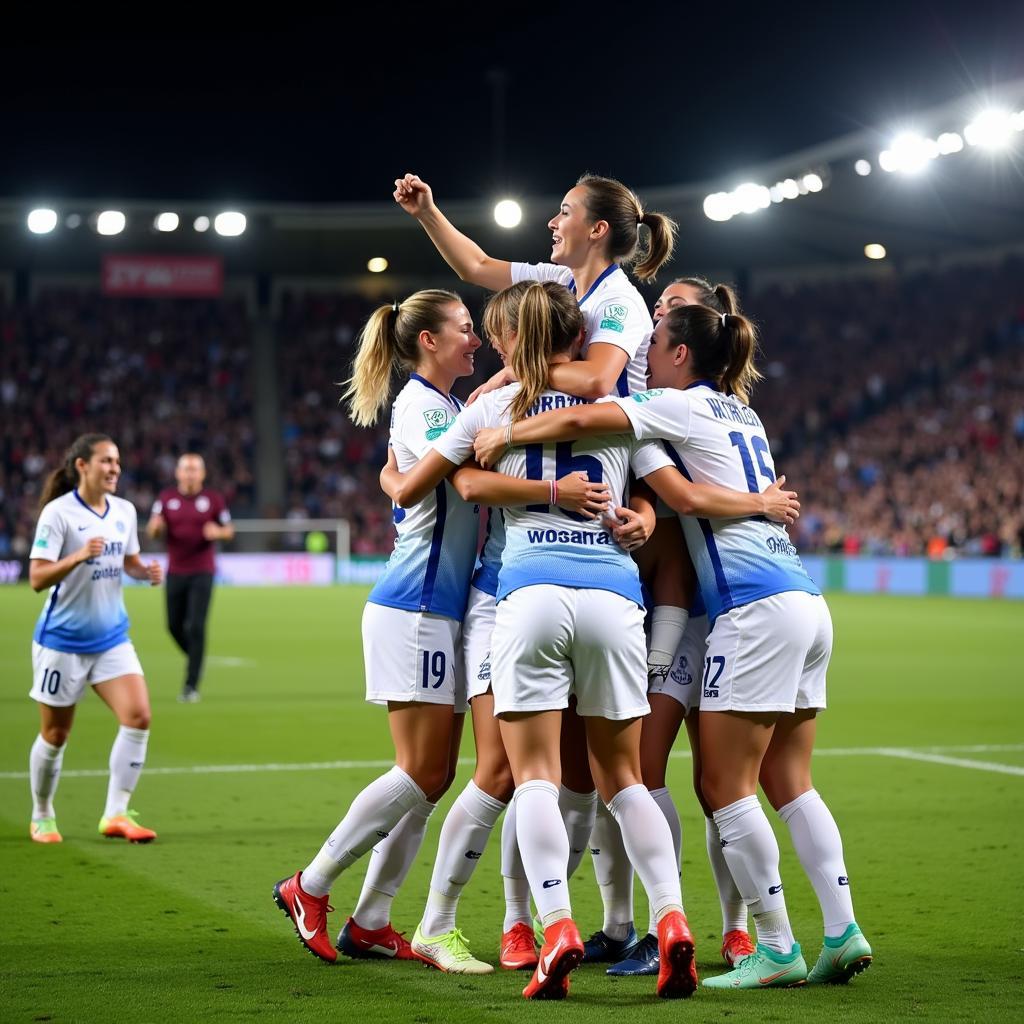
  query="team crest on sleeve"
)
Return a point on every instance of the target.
[
  {"x": 646, "y": 396},
  {"x": 43, "y": 538},
  {"x": 202, "y": 503},
  {"x": 614, "y": 317},
  {"x": 438, "y": 421}
]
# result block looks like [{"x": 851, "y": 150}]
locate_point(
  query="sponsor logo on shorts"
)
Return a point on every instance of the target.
[
  {"x": 484, "y": 675},
  {"x": 583, "y": 537},
  {"x": 680, "y": 674}
]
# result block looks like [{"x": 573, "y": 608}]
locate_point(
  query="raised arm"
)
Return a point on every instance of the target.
[
  {"x": 460, "y": 252},
  {"x": 594, "y": 376}
]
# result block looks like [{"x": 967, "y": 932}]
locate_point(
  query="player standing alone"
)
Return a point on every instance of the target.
[
  {"x": 86, "y": 537},
  {"x": 191, "y": 517}
]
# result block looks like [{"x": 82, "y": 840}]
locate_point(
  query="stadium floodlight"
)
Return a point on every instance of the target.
[
  {"x": 110, "y": 222},
  {"x": 909, "y": 153},
  {"x": 201, "y": 224},
  {"x": 41, "y": 221},
  {"x": 750, "y": 197},
  {"x": 719, "y": 206},
  {"x": 949, "y": 142},
  {"x": 377, "y": 265},
  {"x": 874, "y": 251},
  {"x": 1017, "y": 121},
  {"x": 74, "y": 220},
  {"x": 230, "y": 223},
  {"x": 813, "y": 182},
  {"x": 863, "y": 167},
  {"x": 790, "y": 189},
  {"x": 508, "y": 213},
  {"x": 776, "y": 192},
  {"x": 991, "y": 129},
  {"x": 166, "y": 222}
]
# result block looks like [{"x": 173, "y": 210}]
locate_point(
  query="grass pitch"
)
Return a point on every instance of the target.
[{"x": 921, "y": 758}]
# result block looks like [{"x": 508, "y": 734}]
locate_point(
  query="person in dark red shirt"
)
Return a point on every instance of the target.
[{"x": 191, "y": 517}]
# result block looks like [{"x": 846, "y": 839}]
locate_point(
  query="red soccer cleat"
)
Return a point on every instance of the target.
[
  {"x": 677, "y": 970},
  {"x": 308, "y": 914},
  {"x": 374, "y": 944},
  {"x": 735, "y": 946},
  {"x": 518, "y": 949},
  {"x": 561, "y": 953}
]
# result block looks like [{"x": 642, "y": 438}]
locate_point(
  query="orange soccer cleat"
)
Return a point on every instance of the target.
[
  {"x": 561, "y": 954},
  {"x": 735, "y": 946},
  {"x": 124, "y": 826},
  {"x": 308, "y": 914},
  {"x": 373, "y": 944},
  {"x": 677, "y": 970},
  {"x": 518, "y": 949},
  {"x": 44, "y": 830}
]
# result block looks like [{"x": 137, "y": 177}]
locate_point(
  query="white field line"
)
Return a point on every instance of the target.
[{"x": 931, "y": 754}]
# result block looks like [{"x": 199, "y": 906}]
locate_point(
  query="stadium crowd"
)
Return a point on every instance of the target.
[{"x": 894, "y": 404}]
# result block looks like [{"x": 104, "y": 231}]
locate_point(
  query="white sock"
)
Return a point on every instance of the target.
[
  {"x": 44, "y": 763},
  {"x": 544, "y": 846},
  {"x": 753, "y": 858},
  {"x": 614, "y": 874},
  {"x": 371, "y": 816},
  {"x": 517, "y": 888},
  {"x": 648, "y": 843},
  {"x": 390, "y": 861},
  {"x": 127, "y": 756},
  {"x": 663, "y": 798},
  {"x": 467, "y": 827},
  {"x": 579, "y": 811},
  {"x": 820, "y": 849},
  {"x": 734, "y": 910},
  {"x": 668, "y": 623}
]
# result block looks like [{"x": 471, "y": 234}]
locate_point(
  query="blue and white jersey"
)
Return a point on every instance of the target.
[
  {"x": 85, "y": 613},
  {"x": 543, "y": 543},
  {"x": 613, "y": 312},
  {"x": 712, "y": 438},
  {"x": 485, "y": 577},
  {"x": 432, "y": 562}
]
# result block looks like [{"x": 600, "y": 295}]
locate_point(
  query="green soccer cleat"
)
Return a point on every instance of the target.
[
  {"x": 44, "y": 830},
  {"x": 841, "y": 958},
  {"x": 449, "y": 953},
  {"x": 764, "y": 968}
]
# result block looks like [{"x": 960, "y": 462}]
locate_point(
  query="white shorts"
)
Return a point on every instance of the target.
[
  {"x": 477, "y": 627},
  {"x": 550, "y": 642},
  {"x": 683, "y": 682},
  {"x": 769, "y": 655},
  {"x": 412, "y": 657},
  {"x": 59, "y": 678}
]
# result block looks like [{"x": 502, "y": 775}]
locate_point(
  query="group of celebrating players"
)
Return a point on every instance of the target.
[{"x": 619, "y": 465}]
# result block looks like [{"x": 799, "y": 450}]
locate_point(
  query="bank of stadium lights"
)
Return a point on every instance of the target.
[
  {"x": 41, "y": 221},
  {"x": 911, "y": 153},
  {"x": 508, "y": 213},
  {"x": 377, "y": 265},
  {"x": 751, "y": 197}
]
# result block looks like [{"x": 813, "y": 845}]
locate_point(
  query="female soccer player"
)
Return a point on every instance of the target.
[
  {"x": 410, "y": 626},
  {"x": 595, "y": 233},
  {"x": 763, "y": 676},
  {"x": 560, "y": 589},
  {"x": 468, "y": 824},
  {"x": 85, "y": 539}
]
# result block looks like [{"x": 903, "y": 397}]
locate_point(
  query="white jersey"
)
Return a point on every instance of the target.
[
  {"x": 713, "y": 438},
  {"x": 543, "y": 543},
  {"x": 432, "y": 562},
  {"x": 613, "y": 312},
  {"x": 485, "y": 577},
  {"x": 85, "y": 613}
]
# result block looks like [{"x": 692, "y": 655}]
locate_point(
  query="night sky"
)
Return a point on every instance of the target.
[{"x": 331, "y": 108}]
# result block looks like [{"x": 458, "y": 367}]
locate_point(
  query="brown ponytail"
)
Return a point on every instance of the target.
[
  {"x": 390, "y": 340},
  {"x": 723, "y": 346},
  {"x": 65, "y": 479},
  {"x": 546, "y": 320},
  {"x": 720, "y": 297},
  {"x": 609, "y": 200}
]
